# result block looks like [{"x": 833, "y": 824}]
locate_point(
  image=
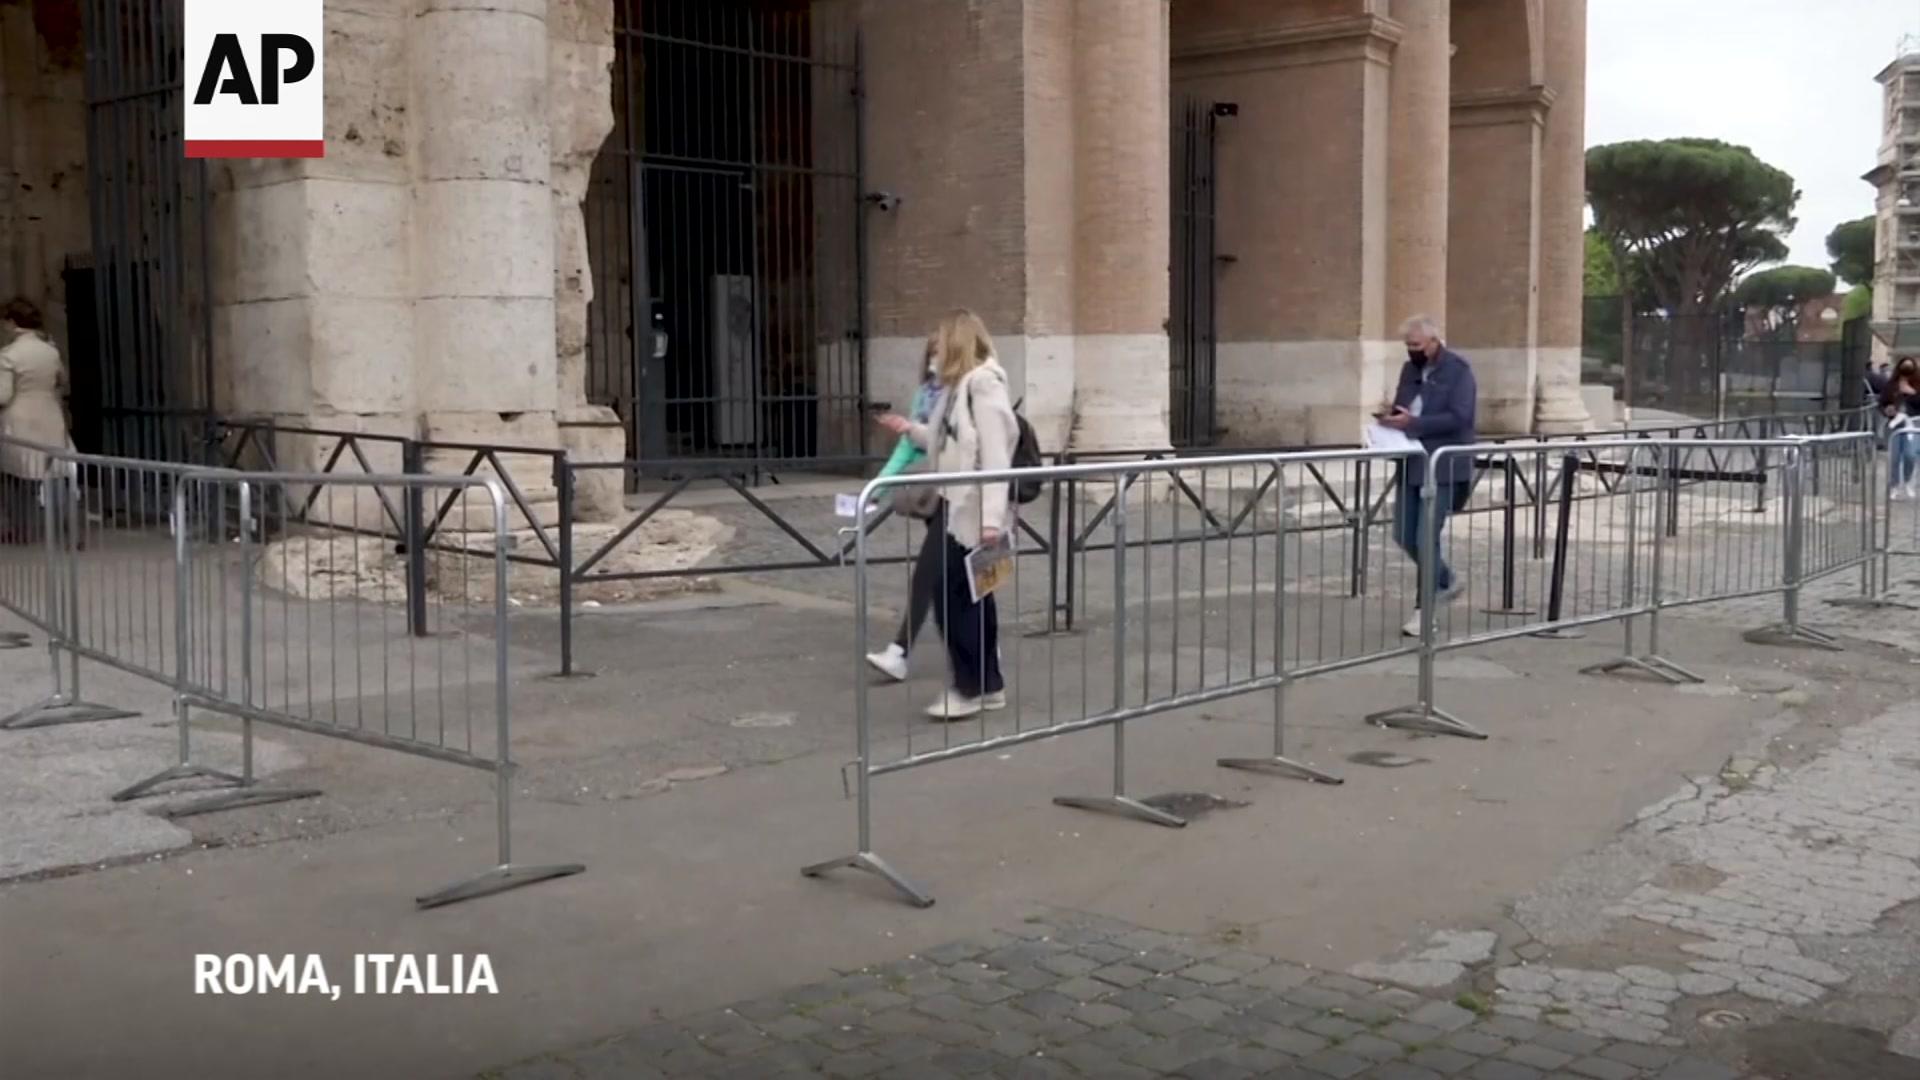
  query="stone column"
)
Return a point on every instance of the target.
[
  {"x": 580, "y": 56},
  {"x": 1417, "y": 158},
  {"x": 1563, "y": 196},
  {"x": 1493, "y": 254},
  {"x": 483, "y": 220},
  {"x": 1121, "y": 223},
  {"x": 312, "y": 260},
  {"x": 483, "y": 229}
]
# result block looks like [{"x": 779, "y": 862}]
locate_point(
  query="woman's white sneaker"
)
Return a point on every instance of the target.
[
  {"x": 995, "y": 701},
  {"x": 890, "y": 661},
  {"x": 954, "y": 705}
]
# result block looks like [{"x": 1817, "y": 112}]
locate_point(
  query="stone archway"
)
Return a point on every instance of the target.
[
  {"x": 1514, "y": 225},
  {"x": 1499, "y": 110}
]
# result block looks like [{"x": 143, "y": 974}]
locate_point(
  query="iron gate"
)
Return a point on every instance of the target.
[
  {"x": 145, "y": 386},
  {"x": 1193, "y": 415},
  {"x": 725, "y": 230}
]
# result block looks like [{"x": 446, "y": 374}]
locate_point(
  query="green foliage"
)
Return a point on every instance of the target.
[
  {"x": 1692, "y": 215},
  {"x": 1850, "y": 246},
  {"x": 1859, "y": 304},
  {"x": 1784, "y": 287},
  {"x": 1602, "y": 280}
]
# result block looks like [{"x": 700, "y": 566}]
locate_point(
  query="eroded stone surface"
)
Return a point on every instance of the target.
[
  {"x": 1446, "y": 957},
  {"x": 1823, "y": 850}
]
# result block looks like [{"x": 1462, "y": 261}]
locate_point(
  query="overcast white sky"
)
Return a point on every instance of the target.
[{"x": 1793, "y": 79}]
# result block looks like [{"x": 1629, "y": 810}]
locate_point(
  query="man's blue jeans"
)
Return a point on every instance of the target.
[{"x": 1408, "y": 511}]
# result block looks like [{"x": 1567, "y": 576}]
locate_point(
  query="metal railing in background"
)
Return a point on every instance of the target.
[
  {"x": 1064, "y": 529},
  {"x": 416, "y": 524}
]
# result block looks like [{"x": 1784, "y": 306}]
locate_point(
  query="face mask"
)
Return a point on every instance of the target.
[{"x": 1418, "y": 356}]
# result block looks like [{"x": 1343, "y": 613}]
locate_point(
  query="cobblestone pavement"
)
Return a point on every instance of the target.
[
  {"x": 1077, "y": 996},
  {"x": 1773, "y": 896},
  {"x": 1817, "y": 853}
]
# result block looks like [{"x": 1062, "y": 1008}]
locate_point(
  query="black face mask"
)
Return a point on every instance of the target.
[{"x": 1418, "y": 356}]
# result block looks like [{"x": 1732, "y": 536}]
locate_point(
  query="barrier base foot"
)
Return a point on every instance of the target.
[
  {"x": 56, "y": 711},
  {"x": 1657, "y": 666},
  {"x": 1428, "y": 720},
  {"x": 14, "y": 641},
  {"x": 875, "y": 865},
  {"x": 1122, "y": 806},
  {"x": 177, "y": 773},
  {"x": 240, "y": 798},
  {"x": 497, "y": 880},
  {"x": 572, "y": 676},
  {"x": 1873, "y": 603},
  {"x": 1285, "y": 766},
  {"x": 1792, "y": 637},
  {"x": 1509, "y": 612}
]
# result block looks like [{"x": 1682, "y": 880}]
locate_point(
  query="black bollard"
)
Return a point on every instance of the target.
[{"x": 1570, "y": 472}]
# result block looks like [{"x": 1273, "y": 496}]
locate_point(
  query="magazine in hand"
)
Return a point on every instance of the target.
[{"x": 990, "y": 566}]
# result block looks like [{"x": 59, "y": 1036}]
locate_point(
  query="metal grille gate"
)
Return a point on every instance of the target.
[
  {"x": 146, "y": 389},
  {"x": 725, "y": 230},
  {"x": 1193, "y": 415}
]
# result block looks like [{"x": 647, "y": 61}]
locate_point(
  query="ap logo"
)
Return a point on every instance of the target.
[{"x": 255, "y": 85}]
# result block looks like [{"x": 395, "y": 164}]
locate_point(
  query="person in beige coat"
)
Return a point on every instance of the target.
[
  {"x": 33, "y": 390},
  {"x": 977, "y": 433}
]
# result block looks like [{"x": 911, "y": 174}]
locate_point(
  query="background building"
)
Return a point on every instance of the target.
[
  {"x": 696, "y": 228},
  {"x": 1896, "y": 178}
]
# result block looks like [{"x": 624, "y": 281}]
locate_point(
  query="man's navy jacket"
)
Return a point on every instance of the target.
[{"x": 1448, "y": 400}]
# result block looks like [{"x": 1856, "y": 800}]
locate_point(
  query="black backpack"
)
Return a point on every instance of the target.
[{"x": 1026, "y": 455}]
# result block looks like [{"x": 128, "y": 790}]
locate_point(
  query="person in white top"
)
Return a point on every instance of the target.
[
  {"x": 33, "y": 391},
  {"x": 972, "y": 429}
]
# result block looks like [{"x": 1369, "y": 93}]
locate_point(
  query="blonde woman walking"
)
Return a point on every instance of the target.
[{"x": 972, "y": 429}]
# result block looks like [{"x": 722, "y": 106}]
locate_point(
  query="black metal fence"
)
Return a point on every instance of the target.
[
  {"x": 1711, "y": 366},
  {"x": 141, "y": 306},
  {"x": 1064, "y": 526},
  {"x": 1193, "y": 415},
  {"x": 725, "y": 225}
]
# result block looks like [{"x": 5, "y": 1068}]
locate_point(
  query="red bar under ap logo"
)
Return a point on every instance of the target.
[{"x": 255, "y": 79}]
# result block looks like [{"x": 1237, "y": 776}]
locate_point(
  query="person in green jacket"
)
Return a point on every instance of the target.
[{"x": 925, "y": 583}]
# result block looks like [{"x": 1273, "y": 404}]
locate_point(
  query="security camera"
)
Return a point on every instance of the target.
[{"x": 886, "y": 200}]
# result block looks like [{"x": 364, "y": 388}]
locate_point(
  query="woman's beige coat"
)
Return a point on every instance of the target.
[
  {"x": 33, "y": 388},
  {"x": 981, "y": 437}
]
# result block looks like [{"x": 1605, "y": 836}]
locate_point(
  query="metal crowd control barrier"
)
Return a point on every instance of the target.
[
  {"x": 1829, "y": 507},
  {"x": 264, "y": 610},
  {"x": 27, "y": 586},
  {"x": 104, "y": 615},
  {"x": 204, "y": 581},
  {"x": 1196, "y": 615},
  {"x": 1336, "y": 573},
  {"x": 1626, "y": 566}
]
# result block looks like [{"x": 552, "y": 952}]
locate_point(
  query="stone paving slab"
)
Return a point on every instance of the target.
[{"x": 1199, "y": 1011}]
